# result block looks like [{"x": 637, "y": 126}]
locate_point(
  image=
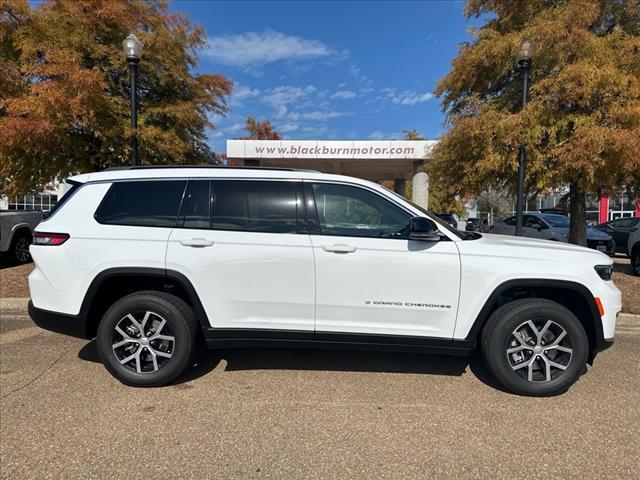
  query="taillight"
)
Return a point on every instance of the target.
[{"x": 45, "y": 238}]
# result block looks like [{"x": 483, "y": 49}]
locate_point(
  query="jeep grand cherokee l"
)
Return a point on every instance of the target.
[{"x": 154, "y": 261}]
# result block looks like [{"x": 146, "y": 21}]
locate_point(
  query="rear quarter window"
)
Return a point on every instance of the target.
[{"x": 144, "y": 203}]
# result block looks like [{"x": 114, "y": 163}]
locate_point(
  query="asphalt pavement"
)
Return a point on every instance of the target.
[{"x": 289, "y": 414}]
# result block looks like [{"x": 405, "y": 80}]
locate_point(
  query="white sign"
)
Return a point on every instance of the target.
[{"x": 330, "y": 149}]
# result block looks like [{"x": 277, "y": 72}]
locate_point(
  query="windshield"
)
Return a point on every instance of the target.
[{"x": 556, "y": 220}]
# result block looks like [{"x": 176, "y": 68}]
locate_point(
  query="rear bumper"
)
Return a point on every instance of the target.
[{"x": 72, "y": 325}]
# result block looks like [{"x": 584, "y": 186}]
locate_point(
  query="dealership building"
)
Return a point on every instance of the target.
[
  {"x": 378, "y": 160},
  {"x": 397, "y": 160},
  {"x": 400, "y": 161}
]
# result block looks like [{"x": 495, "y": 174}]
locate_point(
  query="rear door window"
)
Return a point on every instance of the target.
[
  {"x": 255, "y": 206},
  {"x": 624, "y": 223},
  {"x": 145, "y": 203}
]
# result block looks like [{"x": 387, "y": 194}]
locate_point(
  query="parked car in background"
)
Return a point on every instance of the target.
[
  {"x": 620, "y": 229},
  {"x": 15, "y": 233},
  {"x": 633, "y": 250},
  {"x": 477, "y": 225},
  {"x": 553, "y": 226},
  {"x": 472, "y": 224},
  {"x": 449, "y": 218}
]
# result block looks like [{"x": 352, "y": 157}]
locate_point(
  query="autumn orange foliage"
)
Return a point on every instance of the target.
[
  {"x": 581, "y": 127},
  {"x": 260, "y": 130},
  {"x": 64, "y": 89}
]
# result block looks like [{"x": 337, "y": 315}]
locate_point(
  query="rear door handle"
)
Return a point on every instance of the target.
[
  {"x": 196, "y": 242},
  {"x": 339, "y": 248}
]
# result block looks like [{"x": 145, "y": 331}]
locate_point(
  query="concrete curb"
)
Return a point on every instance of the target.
[
  {"x": 625, "y": 320},
  {"x": 13, "y": 304},
  {"x": 628, "y": 320}
]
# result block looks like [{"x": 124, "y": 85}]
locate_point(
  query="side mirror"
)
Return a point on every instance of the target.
[
  {"x": 537, "y": 226},
  {"x": 423, "y": 229}
]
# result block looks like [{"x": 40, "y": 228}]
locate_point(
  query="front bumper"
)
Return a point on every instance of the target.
[
  {"x": 72, "y": 325},
  {"x": 605, "y": 246}
]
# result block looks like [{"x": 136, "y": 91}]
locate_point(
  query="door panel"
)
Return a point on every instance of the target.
[
  {"x": 369, "y": 277},
  {"x": 621, "y": 229},
  {"x": 529, "y": 231},
  {"x": 250, "y": 268},
  {"x": 249, "y": 279},
  {"x": 386, "y": 286}
]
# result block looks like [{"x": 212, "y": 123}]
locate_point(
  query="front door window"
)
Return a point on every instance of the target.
[{"x": 350, "y": 211}]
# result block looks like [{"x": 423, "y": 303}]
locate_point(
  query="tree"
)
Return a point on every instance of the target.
[
  {"x": 412, "y": 134},
  {"x": 64, "y": 89},
  {"x": 581, "y": 128},
  {"x": 260, "y": 130}
]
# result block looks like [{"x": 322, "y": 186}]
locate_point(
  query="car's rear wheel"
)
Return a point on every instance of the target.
[
  {"x": 635, "y": 261},
  {"x": 535, "y": 347},
  {"x": 147, "y": 339},
  {"x": 20, "y": 248}
]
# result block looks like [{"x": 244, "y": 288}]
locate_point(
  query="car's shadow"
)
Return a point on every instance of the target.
[
  {"x": 326, "y": 360},
  {"x": 7, "y": 262},
  {"x": 622, "y": 268}
]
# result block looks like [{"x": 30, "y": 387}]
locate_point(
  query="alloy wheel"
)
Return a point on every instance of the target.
[
  {"x": 143, "y": 344},
  {"x": 21, "y": 250},
  {"x": 539, "y": 351}
]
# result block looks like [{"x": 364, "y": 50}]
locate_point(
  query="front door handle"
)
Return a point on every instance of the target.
[
  {"x": 339, "y": 248},
  {"x": 196, "y": 242}
]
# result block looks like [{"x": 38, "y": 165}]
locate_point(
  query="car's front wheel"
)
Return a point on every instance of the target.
[
  {"x": 147, "y": 339},
  {"x": 535, "y": 347}
]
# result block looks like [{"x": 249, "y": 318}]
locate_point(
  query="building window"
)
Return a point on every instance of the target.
[{"x": 38, "y": 201}]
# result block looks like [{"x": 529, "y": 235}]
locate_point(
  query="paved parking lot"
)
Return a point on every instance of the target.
[{"x": 307, "y": 414}]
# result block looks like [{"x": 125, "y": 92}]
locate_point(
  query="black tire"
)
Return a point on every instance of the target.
[
  {"x": 635, "y": 261},
  {"x": 499, "y": 334},
  {"x": 180, "y": 324},
  {"x": 20, "y": 248}
]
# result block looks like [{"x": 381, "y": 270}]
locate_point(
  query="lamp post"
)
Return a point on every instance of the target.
[
  {"x": 524, "y": 60},
  {"x": 133, "y": 50}
]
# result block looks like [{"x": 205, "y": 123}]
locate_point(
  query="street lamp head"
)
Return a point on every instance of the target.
[
  {"x": 525, "y": 49},
  {"x": 132, "y": 47}
]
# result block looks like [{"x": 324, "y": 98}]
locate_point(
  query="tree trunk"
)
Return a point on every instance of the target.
[{"x": 578, "y": 212}]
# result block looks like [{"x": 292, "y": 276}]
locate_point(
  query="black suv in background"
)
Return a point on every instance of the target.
[{"x": 620, "y": 229}]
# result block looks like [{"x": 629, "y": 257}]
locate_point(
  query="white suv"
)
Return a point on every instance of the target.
[{"x": 154, "y": 261}]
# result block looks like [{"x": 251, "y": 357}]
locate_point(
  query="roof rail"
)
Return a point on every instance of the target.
[{"x": 239, "y": 167}]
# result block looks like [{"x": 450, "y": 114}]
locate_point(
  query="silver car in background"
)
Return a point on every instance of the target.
[{"x": 553, "y": 226}]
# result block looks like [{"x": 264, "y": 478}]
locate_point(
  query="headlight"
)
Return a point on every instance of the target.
[{"x": 604, "y": 271}]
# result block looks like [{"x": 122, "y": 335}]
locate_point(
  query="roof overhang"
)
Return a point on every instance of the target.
[{"x": 372, "y": 160}]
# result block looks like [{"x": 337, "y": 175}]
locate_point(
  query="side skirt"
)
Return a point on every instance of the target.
[{"x": 221, "y": 338}]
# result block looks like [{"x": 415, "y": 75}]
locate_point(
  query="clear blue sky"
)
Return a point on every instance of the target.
[{"x": 331, "y": 70}]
